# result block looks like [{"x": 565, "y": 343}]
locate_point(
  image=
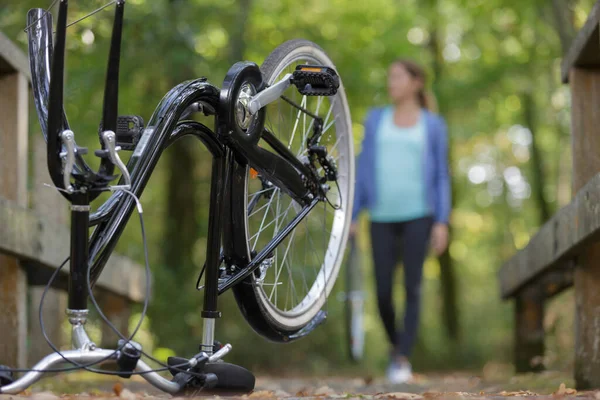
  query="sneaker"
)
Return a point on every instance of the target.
[{"x": 399, "y": 372}]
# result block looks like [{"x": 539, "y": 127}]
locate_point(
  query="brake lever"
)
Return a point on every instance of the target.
[
  {"x": 68, "y": 139},
  {"x": 109, "y": 139}
]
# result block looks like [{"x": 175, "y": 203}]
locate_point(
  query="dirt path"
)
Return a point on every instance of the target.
[{"x": 452, "y": 386}]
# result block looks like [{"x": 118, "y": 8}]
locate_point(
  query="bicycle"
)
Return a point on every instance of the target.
[{"x": 271, "y": 191}]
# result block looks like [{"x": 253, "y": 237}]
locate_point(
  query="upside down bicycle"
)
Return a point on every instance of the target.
[{"x": 281, "y": 195}]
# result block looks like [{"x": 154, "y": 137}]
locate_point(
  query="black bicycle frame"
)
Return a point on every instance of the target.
[{"x": 231, "y": 160}]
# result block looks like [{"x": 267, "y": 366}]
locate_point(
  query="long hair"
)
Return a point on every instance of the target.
[{"x": 417, "y": 72}]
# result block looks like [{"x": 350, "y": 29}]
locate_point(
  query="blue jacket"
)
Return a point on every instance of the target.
[{"x": 435, "y": 166}]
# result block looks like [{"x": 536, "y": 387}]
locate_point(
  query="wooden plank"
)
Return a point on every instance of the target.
[
  {"x": 557, "y": 242},
  {"x": 12, "y": 59},
  {"x": 585, "y": 119},
  {"x": 13, "y": 185},
  {"x": 55, "y": 305},
  {"x": 44, "y": 243},
  {"x": 529, "y": 329},
  {"x": 585, "y": 49},
  {"x": 13, "y": 137},
  {"x": 13, "y": 300},
  {"x": 118, "y": 310},
  {"x": 557, "y": 280},
  {"x": 48, "y": 202}
]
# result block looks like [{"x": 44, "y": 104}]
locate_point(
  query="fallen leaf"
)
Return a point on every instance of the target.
[
  {"x": 564, "y": 390},
  {"x": 118, "y": 388},
  {"x": 324, "y": 391},
  {"x": 126, "y": 394},
  {"x": 399, "y": 395},
  {"x": 280, "y": 394},
  {"x": 44, "y": 396},
  {"x": 520, "y": 393},
  {"x": 261, "y": 394}
]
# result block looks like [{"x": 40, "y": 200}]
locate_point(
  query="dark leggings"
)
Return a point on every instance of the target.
[{"x": 390, "y": 240}]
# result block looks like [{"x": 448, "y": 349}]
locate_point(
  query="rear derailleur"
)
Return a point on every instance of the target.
[{"x": 318, "y": 156}]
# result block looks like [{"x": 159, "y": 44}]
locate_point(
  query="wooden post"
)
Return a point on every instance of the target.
[
  {"x": 13, "y": 186},
  {"x": 50, "y": 204},
  {"x": 529, "y": 329},
  {"x": 585, "y": 120},
  {"x": 118, "y": 310}
]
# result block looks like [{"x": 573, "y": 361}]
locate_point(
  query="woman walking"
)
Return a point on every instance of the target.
[{"x": 402, "y": 180}]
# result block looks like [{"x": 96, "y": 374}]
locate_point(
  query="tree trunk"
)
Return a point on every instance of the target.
[
  {"x": 181, "y": 221},
  {"x": 450, "y": 312},
  {"x": 538, "y": 179},
  {"x": 238, "y": 44},
  {"x": 563, "y": 22},
  {"x": 183, "y": 218}
]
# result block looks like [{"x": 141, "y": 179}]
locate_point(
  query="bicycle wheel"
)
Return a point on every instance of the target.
[
  {"x": 291, "y": 286},
  {"x": 354, "y": 299}
]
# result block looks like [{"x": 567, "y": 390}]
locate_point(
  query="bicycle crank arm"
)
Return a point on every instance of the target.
[{"x": 269, "y": 95}]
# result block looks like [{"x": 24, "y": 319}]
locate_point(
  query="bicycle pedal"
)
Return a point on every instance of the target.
[
  {"x": 129, "y": 131},
  {"x": 316, "y": 80}
]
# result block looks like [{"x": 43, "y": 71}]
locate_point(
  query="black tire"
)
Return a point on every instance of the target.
[
  {"x": 232, "y": 378},
  {"x": 267, "y": 317}
]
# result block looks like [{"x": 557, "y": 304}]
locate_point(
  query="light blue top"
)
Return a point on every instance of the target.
[
  {"x": 435, "y": 166},
  {"x": 399, "y": 171}
]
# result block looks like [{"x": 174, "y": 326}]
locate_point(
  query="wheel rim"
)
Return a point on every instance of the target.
[{"x": 305, "y": 265}]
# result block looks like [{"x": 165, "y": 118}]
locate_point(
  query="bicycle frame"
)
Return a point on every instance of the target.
[{"x": 233, "y": 153}]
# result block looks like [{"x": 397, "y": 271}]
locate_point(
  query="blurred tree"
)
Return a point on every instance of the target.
[{"x": 450, "y": 312}]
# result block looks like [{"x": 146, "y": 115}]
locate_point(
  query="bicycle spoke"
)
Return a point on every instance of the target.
[
  {"x": 302, "y": 104},
  {"x": 258, "y": 210},
  {"x": 275, "y": 231},
  {"x": 285, "y": 254},
  {"x": 263, "y": 228},
  {"x": 261, "y": 224},
  {"x": 329, "y": 126},
  {"x": 334, "y": 146},
  {"x": 330, "y": 110}
]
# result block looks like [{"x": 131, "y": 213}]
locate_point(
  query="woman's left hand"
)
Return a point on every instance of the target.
[{"x": 439, "y": 238}]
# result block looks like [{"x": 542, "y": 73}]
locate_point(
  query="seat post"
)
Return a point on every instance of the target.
[{"x": 80, "y": 214}]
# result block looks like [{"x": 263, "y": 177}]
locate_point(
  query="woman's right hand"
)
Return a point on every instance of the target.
[{"x": 353, "y": 229}]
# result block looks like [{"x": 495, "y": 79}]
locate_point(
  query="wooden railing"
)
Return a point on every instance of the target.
[{"x": 565, "y": 252}]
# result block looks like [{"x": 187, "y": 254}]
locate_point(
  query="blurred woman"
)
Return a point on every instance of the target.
[{"x": 402, "y": 180}]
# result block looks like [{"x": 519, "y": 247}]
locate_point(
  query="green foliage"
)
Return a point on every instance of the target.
[{"x": 492, "y": 55}]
